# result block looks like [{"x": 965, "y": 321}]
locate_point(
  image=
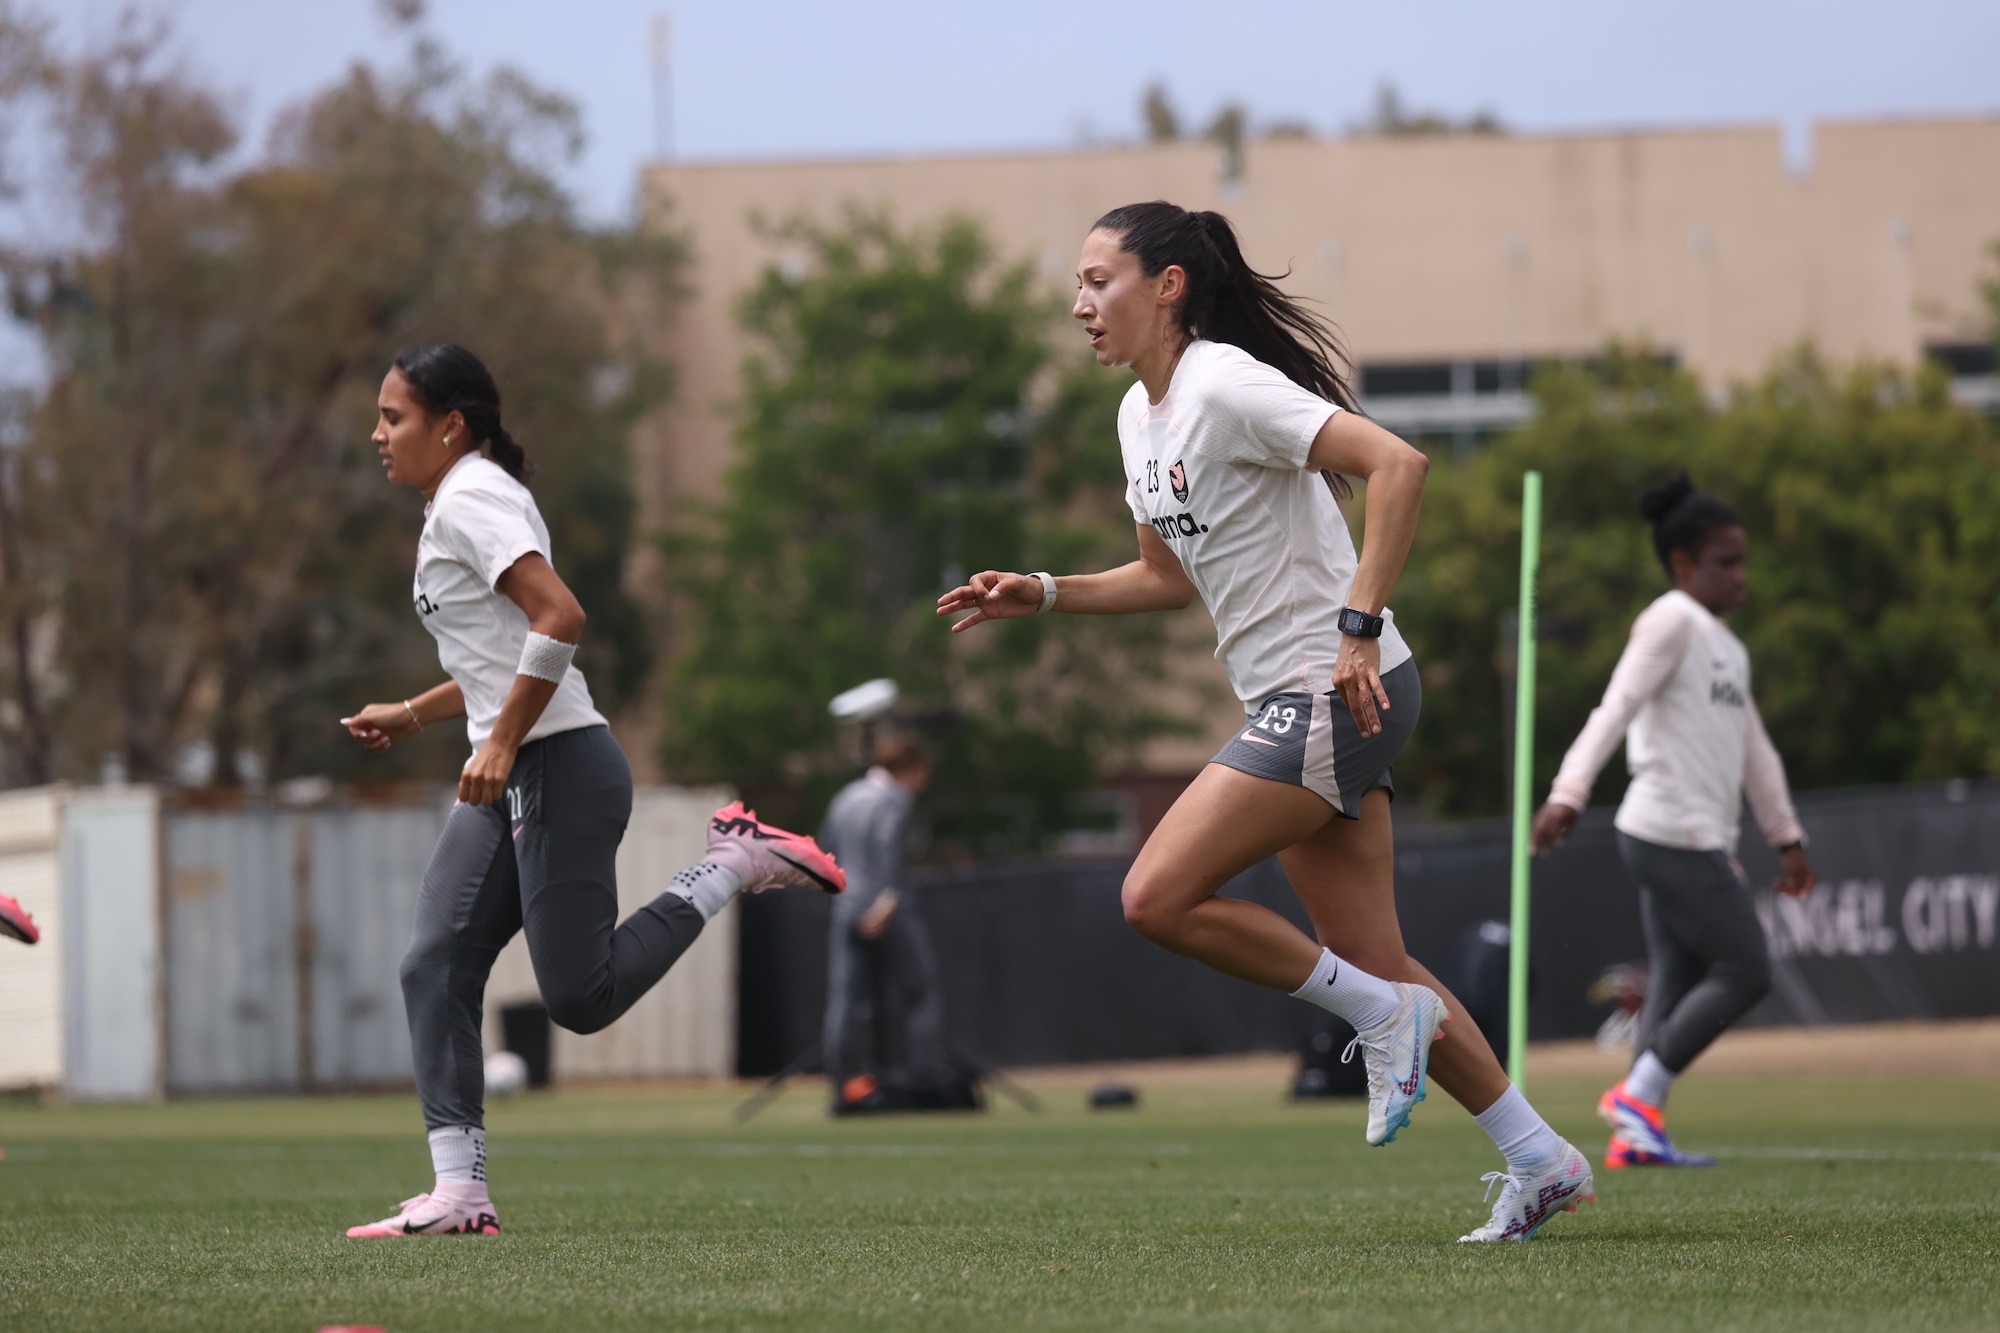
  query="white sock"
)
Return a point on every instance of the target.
[
  {"x": 708, "y": 886},
  {"x": 458, "y": 1154},
  {"x": 1339, "y": 987},
  {"x": 1521, "y": 1135},
  {"x": 1649, "y": 1081}
]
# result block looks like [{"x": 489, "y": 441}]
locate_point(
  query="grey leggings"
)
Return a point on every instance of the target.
[
  {"x": 897, "y": 970},
  {"x": 1706, "y": 947},
  {"x": 542, "y": 861}
]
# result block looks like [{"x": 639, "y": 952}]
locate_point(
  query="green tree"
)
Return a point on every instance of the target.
[
  {"x": 1392, "y": 118},
  {"x": 904, "y": 422},
  {"x": 204, "y": 535},
  {"x": 24, "y": 723},
  {"x": 1873, "y": 505},
  {"x": 1163, "y": 123},
  {"x": 1226, "y": 132}
]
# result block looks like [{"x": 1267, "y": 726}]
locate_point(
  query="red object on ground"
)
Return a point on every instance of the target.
[{"x": 15, "y": 921}]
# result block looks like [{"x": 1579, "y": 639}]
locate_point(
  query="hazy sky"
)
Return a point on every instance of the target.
[{"x": 788, "y": 78}]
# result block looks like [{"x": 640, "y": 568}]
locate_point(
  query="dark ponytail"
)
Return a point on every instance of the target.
[
  {"x": 444, "y": 377},
  {"x": 1683, "y": 517},
  {"x": 1227, "y": 300}
]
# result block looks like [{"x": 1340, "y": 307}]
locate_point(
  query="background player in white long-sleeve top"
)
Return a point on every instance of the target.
[{"x": 1680, "y": 700}]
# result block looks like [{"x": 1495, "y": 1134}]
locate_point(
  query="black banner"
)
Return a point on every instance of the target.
[
  {"x": 1040, "y": 968},
  {"x": 1904, "y": 922}
]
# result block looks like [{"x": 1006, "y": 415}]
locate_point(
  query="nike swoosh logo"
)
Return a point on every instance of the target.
[
  {"x": 1259, "y": 740},
  {"x": 806, "y": 870}
]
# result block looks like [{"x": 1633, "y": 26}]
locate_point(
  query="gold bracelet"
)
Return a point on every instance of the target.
[{"x": 413, "y": 715}]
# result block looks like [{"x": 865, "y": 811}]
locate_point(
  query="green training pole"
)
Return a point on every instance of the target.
[{"x": 1524, "y": 779}]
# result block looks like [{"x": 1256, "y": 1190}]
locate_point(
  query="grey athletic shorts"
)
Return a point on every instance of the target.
[{"x": 1310, "y": 741}]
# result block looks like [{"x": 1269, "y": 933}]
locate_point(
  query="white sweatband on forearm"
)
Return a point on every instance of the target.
[
  {"x": 1048, "y": 591},
  {"x": 545, "y": 658}
]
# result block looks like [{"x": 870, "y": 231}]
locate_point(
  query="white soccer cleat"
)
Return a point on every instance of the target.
[
  {"x": 467, "y": 1213},
  {"x": 1527, "y": 1201},
  {"x": 1397, "y": 1056},
  {"x": 765, "y": 856}
]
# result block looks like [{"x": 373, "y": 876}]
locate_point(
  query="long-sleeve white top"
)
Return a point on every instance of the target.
[{"x": 1680, "y": 700}]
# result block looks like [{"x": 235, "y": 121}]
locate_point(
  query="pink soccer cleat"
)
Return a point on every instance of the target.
[
  {"x": 765, "y": 856},
  {"x": 435, "y": 1215},
  {"x": 15, "y": 921}
]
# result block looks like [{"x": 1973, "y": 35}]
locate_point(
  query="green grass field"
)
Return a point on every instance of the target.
[{"x": 1837, "y": 1205}]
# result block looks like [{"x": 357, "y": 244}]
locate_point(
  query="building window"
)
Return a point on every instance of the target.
[
  {"x": 1447, "y": 404},
  {"x": 1416, "y": 379},
  {"x": 1456, "y": 404},
  {"x": 1974, "y": 371}
]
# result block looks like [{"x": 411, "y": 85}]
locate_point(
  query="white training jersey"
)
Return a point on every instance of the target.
[
  {"x": 1218, "y": 468},
  {"x": 476, "y": 526},
  {"x": 1680, "y": 700}
]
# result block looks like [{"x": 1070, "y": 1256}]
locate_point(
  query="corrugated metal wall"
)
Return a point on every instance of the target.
[
  {"x": 111, "y": 943},
  {"x": 367, "y": 865},
  {"x": 273, "y": 914},
  {"x": 80, "y": 1010},
  {"x": 233, "y": 916}
]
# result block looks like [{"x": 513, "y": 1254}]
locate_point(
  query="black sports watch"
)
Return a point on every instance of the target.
[{"x": 1360, "y": 624}]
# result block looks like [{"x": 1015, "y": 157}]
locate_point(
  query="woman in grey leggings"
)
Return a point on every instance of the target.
[
  {"x": 532, "y": 844},
  {"x": 1680, "y": 700}
]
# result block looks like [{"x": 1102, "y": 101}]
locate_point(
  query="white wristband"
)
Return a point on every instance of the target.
[
  {"x": 545, "y": 658},
  {"x": 1048, "y": 591}
]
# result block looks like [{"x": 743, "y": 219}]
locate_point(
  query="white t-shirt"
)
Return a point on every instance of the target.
[
  {"x": 476, "y": 526},
  {"x": 1218, "y": 467},
  {"x": 1680, "y": 700}
]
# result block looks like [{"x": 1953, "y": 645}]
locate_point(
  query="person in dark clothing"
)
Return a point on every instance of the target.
[{"x": 881, "y": 969}]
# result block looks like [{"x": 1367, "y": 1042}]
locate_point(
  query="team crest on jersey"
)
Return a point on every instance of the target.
[{"x": 1177, "y": 478}]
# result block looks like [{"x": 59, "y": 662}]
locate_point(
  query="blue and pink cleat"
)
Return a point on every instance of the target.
[
  {"x": 1397, "y": 1054},
  {"x": 1530, "y": 1199},
  {"x": 1639, "y": 1134}
]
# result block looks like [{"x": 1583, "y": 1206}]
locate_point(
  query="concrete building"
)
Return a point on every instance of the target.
[
  {"x": 1451, "y": 263},
  {"x": 1447, "y": 261}
]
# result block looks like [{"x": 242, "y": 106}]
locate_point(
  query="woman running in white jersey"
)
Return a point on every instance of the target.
[
  {"x": 542, "y": 802},
  {"x": 1234, "y": 440},
  {"x": 1680, "y": 700}
]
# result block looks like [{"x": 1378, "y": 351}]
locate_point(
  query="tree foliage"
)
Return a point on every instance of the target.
[
  {"x": 1873, "y": 506},
  {"x": 904, "y": 422},
  {"x": 1163, "y": 122},
  {"x": 206, "y": 548},
  {"x": 1392, "y": 118}
]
